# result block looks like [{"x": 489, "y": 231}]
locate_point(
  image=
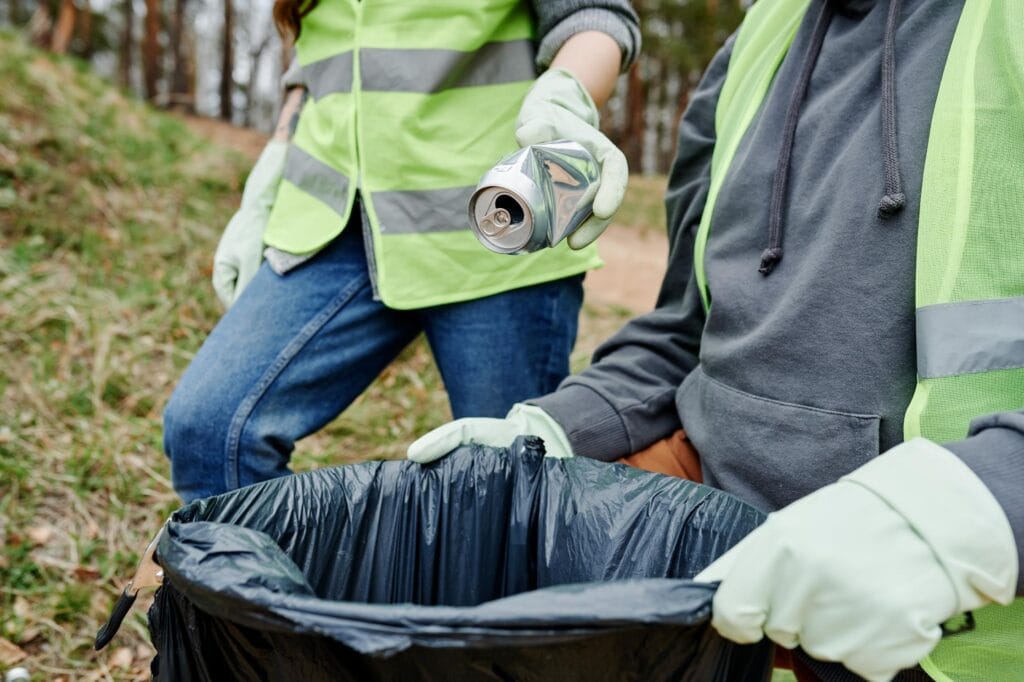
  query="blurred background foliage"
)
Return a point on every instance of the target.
[{"x": 223, "y": 58}]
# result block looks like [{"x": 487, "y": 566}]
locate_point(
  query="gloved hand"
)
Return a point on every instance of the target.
[
  {"x": 863, "y": 571},
  {"x": 558, "y": 107},
  {"x": 240, "y": 250},
  {"x": 521, "y": 420}
]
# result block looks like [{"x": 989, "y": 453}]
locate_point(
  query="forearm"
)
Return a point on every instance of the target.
[
  {"x": 994, "y": 450},
  {"x": 594, "y": 59},
  {"x": 289, "y": 117}
]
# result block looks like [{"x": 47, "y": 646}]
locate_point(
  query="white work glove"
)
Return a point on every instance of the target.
[
  {"x": 865, "y": 570},
  {"x": 558, "y": 107},
  {"x": 521, "y": 420},
  {"x": 240, "y": 250}
]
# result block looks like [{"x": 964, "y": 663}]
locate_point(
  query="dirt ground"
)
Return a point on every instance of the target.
[
  {"x": 634, "y": 258},
  {"x": 634, "y": 265}
]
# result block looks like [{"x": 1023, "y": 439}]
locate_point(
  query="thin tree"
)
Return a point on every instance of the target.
[
  {"x": 181, "y": 68},
  {"x": 64, "y": 28},
  {"x": 151, "y": 51},
  {"x": 85, "y": 31},
  {"x": 127, "y": 43},
  {"x": 255, "y": 58},
  {"x": 40, "y": 25},
  {"x": 227, "y": 62},
  {"x": 636, "y": 125}
]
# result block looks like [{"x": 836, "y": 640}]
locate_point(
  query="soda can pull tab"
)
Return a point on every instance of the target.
[{"x": 496, "y": 222}]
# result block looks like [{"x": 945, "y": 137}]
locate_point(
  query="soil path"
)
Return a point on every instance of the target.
[
  {"x": 634, "y": 257},
  {"x": 634, "y": 263}
]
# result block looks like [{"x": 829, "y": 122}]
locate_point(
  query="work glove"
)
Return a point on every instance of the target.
[
  {"x": 865, "y": 570},
  {"x": 558, "y": 107},
  {"x": 240, "y": 249},
  {"x": 522, "y": 420}
]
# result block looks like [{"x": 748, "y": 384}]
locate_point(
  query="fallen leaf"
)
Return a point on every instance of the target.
[
  {"x": 40, "y": 535},
  {"x": 10, "y": 653},
  {"x": 22, "y": 609},
  {"x": 86, "y": 573},
  {"x": 121, "y": 657},
  {"x": 29, "y": 635}
]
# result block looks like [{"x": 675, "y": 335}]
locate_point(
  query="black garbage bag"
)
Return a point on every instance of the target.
[{"x": 489, "y": 564}]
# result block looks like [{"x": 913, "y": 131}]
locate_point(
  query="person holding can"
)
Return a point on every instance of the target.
[
  {"x": 358, "y": 211},
  {"x": 840, "y": 336}
]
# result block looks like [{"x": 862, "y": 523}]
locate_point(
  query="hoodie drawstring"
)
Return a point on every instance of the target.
[
  {"x": 773, "y": 254},
  {"x": 893, "y": 200}
]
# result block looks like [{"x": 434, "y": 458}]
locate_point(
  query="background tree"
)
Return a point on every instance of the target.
[
  {"x": 208, "y": 54},
  {"x": 127, "y": 41},
  {"x": 151, "y": 52},
  {"x": 63, "y": 29},
  {"x": 227, "y": 66},
  {"x": 182, "y": 85}
]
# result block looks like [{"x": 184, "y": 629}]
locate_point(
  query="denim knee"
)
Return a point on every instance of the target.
[{"x": 194, "y": 443}]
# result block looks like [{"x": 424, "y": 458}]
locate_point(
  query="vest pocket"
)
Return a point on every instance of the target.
[{"x": 769, "y": 452}]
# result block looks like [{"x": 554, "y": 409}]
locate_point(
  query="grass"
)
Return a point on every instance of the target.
[{"x": 109, "y": 214}]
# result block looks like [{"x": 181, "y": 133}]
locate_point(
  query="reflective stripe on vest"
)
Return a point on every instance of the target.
[
  {"x": 317, "y": 179},
  {"x": 404, "y": 70},
  {"x": 970, "y": 252},
  {"x": 970, "y": 337},
  {"x": 411, "y": 103},
  {"x": 408, "y": 212}
]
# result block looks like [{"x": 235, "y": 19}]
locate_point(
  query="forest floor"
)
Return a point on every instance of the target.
[{"x": 109, "y": 215}]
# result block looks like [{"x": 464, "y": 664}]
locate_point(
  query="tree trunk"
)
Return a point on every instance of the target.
[
  {"x": 255, "y": 57},
  {"x": 127, "y": 44},
  {"x": 64, "y": 29},
  {"x": 682, "y": 101},
  {"x": 151, "y": 51},
  {"x": 227, "y": 63},
  {"x": 85, "y": 36},
  {"x": 181, "y": 95},
  {"x": 636, "y": 106},
  {"x": 14, "y": 12},
  {"x": 40, "y": 26}
]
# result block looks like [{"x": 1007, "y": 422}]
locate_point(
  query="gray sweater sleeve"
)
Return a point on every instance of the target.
[
  {"x": 994, "y": 449},
  {"x": 625, "y": 401},
  {"x": 559, "y": 20}
]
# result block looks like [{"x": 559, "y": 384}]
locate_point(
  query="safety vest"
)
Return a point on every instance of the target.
[
  {"x": 410, "y": 103},
  {"x": 970, "y": 252}
]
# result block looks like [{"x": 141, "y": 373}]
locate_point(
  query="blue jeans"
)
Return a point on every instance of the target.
[{"x": 295, "y": 350}]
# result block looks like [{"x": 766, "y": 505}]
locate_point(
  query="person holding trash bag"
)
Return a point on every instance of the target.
[
  {"x": 363, "y": 214},
  {"x": 841, "y": 335}
]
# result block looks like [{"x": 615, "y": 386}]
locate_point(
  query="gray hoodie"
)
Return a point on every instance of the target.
[{"x": 800, "y": 376}]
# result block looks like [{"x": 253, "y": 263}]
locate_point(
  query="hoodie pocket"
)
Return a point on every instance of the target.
[{"x": 769, "y": 452}]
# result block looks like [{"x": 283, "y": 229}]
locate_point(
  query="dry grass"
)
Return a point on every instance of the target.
[{"x": 109, "y": 213}]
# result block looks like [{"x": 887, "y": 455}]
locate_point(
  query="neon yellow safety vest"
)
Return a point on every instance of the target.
[
  {"x": 410, "y": 104},
  {"x": 970, "y": 252}
]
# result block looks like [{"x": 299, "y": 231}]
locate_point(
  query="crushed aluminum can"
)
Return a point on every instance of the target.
[{"x": 534, "y": 198}]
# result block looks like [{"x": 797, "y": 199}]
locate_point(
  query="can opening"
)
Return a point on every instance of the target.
[{"x": 509, "y": 203}]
